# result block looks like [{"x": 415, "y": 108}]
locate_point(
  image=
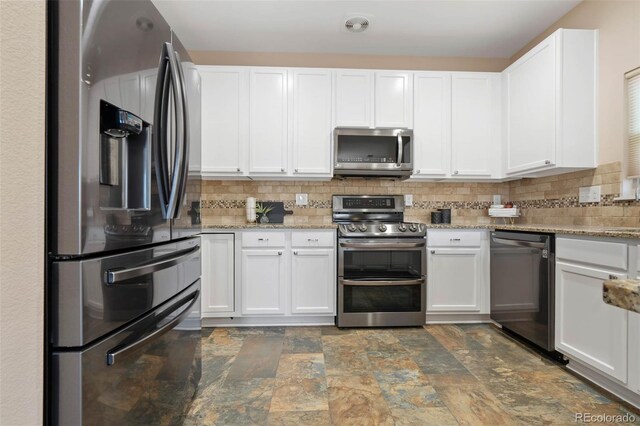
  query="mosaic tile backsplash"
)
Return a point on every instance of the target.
[{"x": 549, "y": 200}]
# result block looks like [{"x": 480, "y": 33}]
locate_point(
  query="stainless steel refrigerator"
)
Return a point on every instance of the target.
[{"x": 123, "y": 284}]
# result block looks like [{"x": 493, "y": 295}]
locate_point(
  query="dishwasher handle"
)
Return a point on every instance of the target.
[{"x": 519, "y": 243}]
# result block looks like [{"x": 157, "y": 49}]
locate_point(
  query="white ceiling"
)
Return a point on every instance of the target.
[{"x": 422, "y": 28}]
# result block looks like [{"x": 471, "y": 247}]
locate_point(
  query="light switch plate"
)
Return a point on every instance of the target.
[
  {"x": 408, "y": 200},
  {"x": 302, "y": 199},
  {"x": 590, "y": 194}
]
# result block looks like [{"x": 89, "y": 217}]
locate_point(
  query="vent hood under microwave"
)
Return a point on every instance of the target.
[{"x": 386, "y": 153}]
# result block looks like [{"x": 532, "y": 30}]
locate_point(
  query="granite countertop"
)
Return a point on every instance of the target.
[
  {"x": 205, "y": 228},
  {"x": 624, "y": 294},
  {"x": 595, "y": 231}
]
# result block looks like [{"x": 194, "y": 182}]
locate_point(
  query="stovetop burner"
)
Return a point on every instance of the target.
[{"x": 373, "y": 216}]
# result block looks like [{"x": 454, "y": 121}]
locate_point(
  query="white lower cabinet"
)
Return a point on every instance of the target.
[
  {"x": 457, "y": 272},
  {"x": 218, "y": 283},
  {"x": 249, "y": 276},
  {"x": 601, "y": 341},
  {"x": 454, "y": 280},
  {"x": 313, "y": 281},
  {"x": 263, "y": 281},
  {"x": 588, "y": 329}
]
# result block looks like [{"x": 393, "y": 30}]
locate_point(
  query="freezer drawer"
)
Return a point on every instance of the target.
[
  {"x": 145, "y": 374},
  {"x": 94, "y": 297}
]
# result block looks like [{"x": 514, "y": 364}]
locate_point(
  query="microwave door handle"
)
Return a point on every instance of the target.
[
  {"x": 123, "y": 350},
  {"x": 180, "y": 129},
  {"x": 160, "y": 120},
  {"x": 399, "y": 162}
]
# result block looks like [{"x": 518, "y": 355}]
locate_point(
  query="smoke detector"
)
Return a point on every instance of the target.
[{"x": 356, "y": 24}]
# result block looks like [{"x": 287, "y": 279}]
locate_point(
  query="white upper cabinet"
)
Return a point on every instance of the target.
[
  {"x": 432, "y": 124},
  {"x": 371, "y": 99},
  {"x": 475, "y": 125},
  {"x": 268, "y": 115},
  {"x": 550, "y": 106},
  {"x": 393, "y": 96},
  {"x": 354, "y": 98},
  {"x": 225, "y": 119},
  {"x": 312, "y": 122}
]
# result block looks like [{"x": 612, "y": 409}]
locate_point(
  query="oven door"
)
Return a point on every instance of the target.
[{"x": 381, "y": 282}]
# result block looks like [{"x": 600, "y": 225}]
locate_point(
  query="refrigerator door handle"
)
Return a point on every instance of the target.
[
  {"x": 118, "y": 275},
  {"x": 160, "y": 120},
  {"x": 125, "y": 348},
  {"x": 184, "y": 167},
  {"x": 178, "y": 99}
]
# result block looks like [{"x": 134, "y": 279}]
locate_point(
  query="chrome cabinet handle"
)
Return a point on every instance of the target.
[
  {"x": 115, "y": 276},
  {"x": 418, "y": 171},
  {"x": 312, "y": 240},
  {"x": 433, "y": 252},
  {"x": 263, "y": 239},
  {"x": 455, "y": 172},
  {"x": 296, "y": 170},
  {"x": 614, "y": 277},
  {"x": 282, "y": 169},
  {"x": 454, "y": 239},
  {"x": 295, "y": 253},
  {"x": 400, "y": 148},
  {"x": 122, "y": 350},
  {"x": 547, "y": 161},
  {"x": 238, "y": 169},
  {"x": 279, "y": 253}
]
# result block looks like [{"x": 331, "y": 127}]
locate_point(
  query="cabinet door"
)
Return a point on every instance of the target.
[
  {"x": 587, "y": 328},
  {"x": 217, "y": 273},
  {"x": 148, "y": 80},
  {"x": 313, "y": 281},
  {"x": 263, "y": 282},
  {"x": 432, "y": 128},
  {"x": 224, "y": 119},
  {"x": 268, "y": 131},
  {"x": 393, "y": 95},
  {"x": 312, "y": 122},
  {"x": 475, "y": 136},
  {"x": 531, "y": 104},
  {"x": 354, "y": 98},
  {"x": 454, "y": 280}
]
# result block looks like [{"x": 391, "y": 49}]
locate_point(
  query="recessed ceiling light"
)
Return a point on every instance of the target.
[{"x": 356, "y": 24}]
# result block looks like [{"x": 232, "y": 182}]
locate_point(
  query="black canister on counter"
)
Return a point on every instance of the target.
[
  {"x": 446, "y": 215},
  {"x": 436, "y": 217}
]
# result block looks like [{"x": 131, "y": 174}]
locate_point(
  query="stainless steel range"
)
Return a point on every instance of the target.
[{"x": 382, "y": 262}]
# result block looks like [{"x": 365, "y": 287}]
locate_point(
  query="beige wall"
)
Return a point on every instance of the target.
[
  {"x": 350, "y": 61},
  {"x": 618, "y": 23},
  {"x": 22, "y": 85}
]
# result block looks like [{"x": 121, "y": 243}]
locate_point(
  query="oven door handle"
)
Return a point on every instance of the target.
[
  {"x": 380, "y": 283},
  {"x": 380, "y": 246}
]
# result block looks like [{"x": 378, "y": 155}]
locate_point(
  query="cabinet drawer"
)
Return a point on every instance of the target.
[
  {"x": 601, "y": 253},
  {"x": 263, "y": 239},
  {"x": 454, "y": 238},
  {"x": 312, "y": 239}
]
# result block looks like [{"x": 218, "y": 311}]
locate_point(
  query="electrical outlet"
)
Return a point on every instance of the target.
[
  {"x": 408, "y": 200},
  {"x": 302, "y": 199},
  {"x": 590, "y": 194}
]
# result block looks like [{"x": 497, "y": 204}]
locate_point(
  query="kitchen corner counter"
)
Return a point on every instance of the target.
[
  {"x": 283, "y": 226},
  {"x": 594, "y": 231},
  {"x": 624, "y": 294}
]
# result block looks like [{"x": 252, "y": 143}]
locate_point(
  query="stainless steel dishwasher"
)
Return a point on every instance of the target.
[{"x": 523, "y": 285}]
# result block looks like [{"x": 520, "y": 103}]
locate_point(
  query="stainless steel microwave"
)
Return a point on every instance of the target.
[{"x": 373, "y": 152}]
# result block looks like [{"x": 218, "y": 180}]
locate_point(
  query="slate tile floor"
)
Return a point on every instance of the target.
[{"x": 432, "y": 375}]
